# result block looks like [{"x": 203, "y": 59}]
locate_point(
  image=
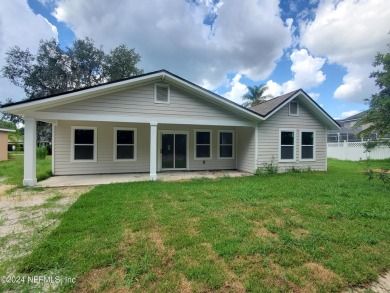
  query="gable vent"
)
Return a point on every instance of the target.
[
  {"x": 293, "y": 108},
  {"x": 161, "y": 93}
]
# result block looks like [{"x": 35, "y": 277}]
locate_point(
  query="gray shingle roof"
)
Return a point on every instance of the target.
[{"x": 267, "y": 107}]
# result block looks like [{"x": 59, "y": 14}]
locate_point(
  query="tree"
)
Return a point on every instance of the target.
[
  {"x": 54, "y": 70},
  {"x": 255, "y": 95},
  {"x": 378, "y": 115},
  {"x": 15, "y": 119}
]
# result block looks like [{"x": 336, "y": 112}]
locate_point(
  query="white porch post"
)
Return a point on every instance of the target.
[
  {"x": 30, "y": 146},
  {"x": 153, "y": 150}
]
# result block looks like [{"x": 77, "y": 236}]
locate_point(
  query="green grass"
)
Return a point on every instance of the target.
[
  {"x": 311, "y": 231},
  {"x": 12, "y": 170}
]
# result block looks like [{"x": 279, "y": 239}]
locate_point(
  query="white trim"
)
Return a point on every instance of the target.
[
  {"x": 53, "y": 135},
  {"x": 140, "y": 119},
  {"x": 160, "y": 133},
  {"x": 233, "y": 145},
  {"x": 289, "y": 108},
  {"x": 134, "y": 144},
  {"x": 153, "y": 151},
  {"x": 211, "y": 144},
  {"x": 165, "y": 85},
  {"x": 73, "y": 128},
  {"x": 294, "y": 145},
  {"x": 7, "y": 130},
  {"x": 30, "y": 147},
  {"x": 301, "y": 145},
  {"x": 256, "y": 146}
]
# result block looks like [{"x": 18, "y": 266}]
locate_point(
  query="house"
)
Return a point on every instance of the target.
[
  {"x": 4, "y": 142},
  {"x": 159, "y": 121},
  {"x": 348, "y": 132}
]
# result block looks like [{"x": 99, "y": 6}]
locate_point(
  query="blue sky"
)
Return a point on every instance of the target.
[{"x": 325, "y": 47}]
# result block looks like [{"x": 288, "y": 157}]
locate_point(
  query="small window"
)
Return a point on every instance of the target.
[
  {"x": 293, "y": 108},
  {"x": 287, "y": 145},
  {"x": 84, "y": 144},
  {"x": 125, "y": 144},
  {"x": 202, "y": 144},
  {"x": 226, "y": 146},
  {"x": 307, "y": 145},
  {"x": 161, "y": 93}
]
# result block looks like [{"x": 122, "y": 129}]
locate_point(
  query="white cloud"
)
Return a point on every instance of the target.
[
  {"x": 314, "y": 96},
  {"x": 19, "y": 26},
  {"x": 349, "y": 33},
  {"x": 238, "y": 89},
  {"x": 349, "y": 113},
  {"x": 248, "y": 37},
  {"x": 306, "y": 71}
]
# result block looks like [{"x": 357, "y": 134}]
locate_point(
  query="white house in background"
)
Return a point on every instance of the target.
[{"x": 159, "y": 121}]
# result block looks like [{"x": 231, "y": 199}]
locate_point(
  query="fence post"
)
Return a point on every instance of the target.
[{"x": 345, "y": 150}]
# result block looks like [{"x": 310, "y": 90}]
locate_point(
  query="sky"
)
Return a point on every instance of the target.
[{"x": 325, "y": 47}]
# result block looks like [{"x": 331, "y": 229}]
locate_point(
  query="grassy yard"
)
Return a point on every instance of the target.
[
  {"x": 307, "y": 232},
  {"x": 12, "y": 169}
]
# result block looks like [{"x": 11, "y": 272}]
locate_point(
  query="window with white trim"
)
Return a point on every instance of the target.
[
  {"x": 84, "y": 143},
  {"x": 226, "y": 144},
  {"x": 161, "y": 93},
  {"x": 287, "y": 145},
  {"x": 307, "y": 145},
  {"x": 202, "y": 144},
  {"x": 125, "y": 144},
  {"x": 293, "y": 108}
]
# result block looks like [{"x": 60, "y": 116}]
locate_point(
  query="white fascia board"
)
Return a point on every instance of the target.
[
  {"x": 211, "y": 98},
  {"x": 42, "y": 116},
  {"x": 79, "y": 95}
]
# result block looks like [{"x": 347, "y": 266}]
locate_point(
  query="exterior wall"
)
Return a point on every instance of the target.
[
  {"x": 245, "y": 137},
  {"x": 3, "y": 146},
  {"x": 139, "y": 102},
  {"x": 269, "y": 139},
  {"x": 105, "y": 149}
]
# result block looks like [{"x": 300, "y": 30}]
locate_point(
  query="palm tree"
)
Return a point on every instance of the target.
[{"x": 255, "y": 95}]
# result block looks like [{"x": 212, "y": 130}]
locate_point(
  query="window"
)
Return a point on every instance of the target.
[
  {"x": 84, "y": 144},
  {"x": 202, "y": 144},
  {"x": 161, "y": 93},
  {"x": 125, "y": 144},
  {"x": 226, "y": 150},
  {"x": 307, "y": 145},
  {"x": 293, "y": 108},
  {"x": 287, "y": 145}
]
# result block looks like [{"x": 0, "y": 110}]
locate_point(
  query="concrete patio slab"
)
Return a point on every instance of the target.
[{"x": 85, "y": 180}]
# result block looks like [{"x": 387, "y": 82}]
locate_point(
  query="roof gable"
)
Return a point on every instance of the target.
[{"x": 268, "y": 108}]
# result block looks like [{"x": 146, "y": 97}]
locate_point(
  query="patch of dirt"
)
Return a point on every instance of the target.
[
  {"x": 157, "y": 240},
  {"x": 300, "y": 233},
  {"x": 23, "y": 216},
  {"x": 322, "y": 274},
  {"x": 381, "y": 171},
  {"x": 264, "y": 233},
  {"x": 381, "y": 285},
  {"x": 101, "y": 279},
  {"x": 185, "y": 285}
]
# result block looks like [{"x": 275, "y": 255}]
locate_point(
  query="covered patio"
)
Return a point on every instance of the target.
[{"x": 99, "y": 179}]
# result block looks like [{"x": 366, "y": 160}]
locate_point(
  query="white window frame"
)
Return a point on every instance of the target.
[
  {"x": 289, "y": 108},
  {"x": 72, "y": 145},
  {"x": 294, "y": 146},
  {"x": 155, "y": 93},
  {"x": 219, "y": 145},
  {"x": 210, "y": 144},
  {"x": 115, "y": 144},
  {"x": 314, "y": 145}
]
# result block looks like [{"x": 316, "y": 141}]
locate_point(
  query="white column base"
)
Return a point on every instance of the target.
[
  {"x": 153, "y": 177},
  {"x": 29, "y": 182}
]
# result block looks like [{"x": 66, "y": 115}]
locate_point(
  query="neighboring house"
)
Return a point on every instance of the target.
[
  {"x": 4, "y": 142},
  {"x": 348, "y": 132},
  {"x": 159, "y": 121}
]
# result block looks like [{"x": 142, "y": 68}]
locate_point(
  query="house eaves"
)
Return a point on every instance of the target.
[{"x": 29, "y": 106}]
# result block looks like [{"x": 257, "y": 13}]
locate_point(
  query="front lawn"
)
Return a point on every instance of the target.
[{"x": 311, "y": 231}]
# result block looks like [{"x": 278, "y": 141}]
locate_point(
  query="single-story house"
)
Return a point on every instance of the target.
[
  {"x": 4, "y": 142},
  {"x": 159, "y": 121}
]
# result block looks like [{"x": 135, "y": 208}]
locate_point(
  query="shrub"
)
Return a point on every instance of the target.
[
  {"x": 41, "y": 153},
  {"x": 268, "y": 168}
]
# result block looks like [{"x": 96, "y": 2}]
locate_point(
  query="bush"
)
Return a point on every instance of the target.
[
  {"x": 41, "y": 153},
  {"x": 268, "y": 168}
]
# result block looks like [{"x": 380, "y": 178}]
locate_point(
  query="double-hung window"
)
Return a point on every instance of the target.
[
  {"x": 125, "y": 145},
  {"x": 287, "y": 145},
  {"x": 226, "y": 144},
  {"x": 307, "y": 145},
  {"x": 84, "y": 144},
  {"x": 202, "y": 144}
]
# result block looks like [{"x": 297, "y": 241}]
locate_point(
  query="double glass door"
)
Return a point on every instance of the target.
[{"x": 173, "y": 151}]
